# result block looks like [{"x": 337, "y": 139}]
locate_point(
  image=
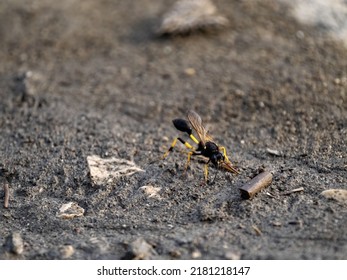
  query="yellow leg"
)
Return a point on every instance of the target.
[
  {"x": 206, "y": 172},
  {"x": 188, "y": 161},
  {"x": 194, "y": 139},
  {"x": 224, "y": 153},
  {"x": 174, "y": 144},
  {"x": 192, "y": 150},
  {"x": 171, "y": 148},
  {"x": 188, "y": 145}
]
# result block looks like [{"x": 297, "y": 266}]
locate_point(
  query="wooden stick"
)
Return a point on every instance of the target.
[
  {"x": 7, "y": 195},
  {"x": 257, "y": 230},
  {"x": 294, "y": 190},
  {"x": 255, "y": 185}
]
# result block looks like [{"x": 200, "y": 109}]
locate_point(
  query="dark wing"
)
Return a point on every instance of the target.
[{"x": 196, "y": 122}]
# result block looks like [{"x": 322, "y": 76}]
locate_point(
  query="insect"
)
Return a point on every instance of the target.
[{"x": 206, "y": 145}]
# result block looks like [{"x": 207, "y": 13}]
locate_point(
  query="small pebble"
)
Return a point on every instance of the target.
[
  {"x": 196, "y": 254},
  {"x": 141, "y": 250},
  {"x": 151, "y": 191},
  {"x": 190, "y": 71},
  {"x": 66, "y": 251},
  {"x": 231, "y": 255},
  {"x": 70, "y": 210},
  {"x": 339, "y": 195},
  {"x": 191, "y": 15},
  {"x": 175, "y": 254},
  {"x": 14, "y": 243},
  {"x": 273, "y": 152}
]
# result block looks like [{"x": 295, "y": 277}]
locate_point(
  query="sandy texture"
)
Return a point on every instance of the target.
[{"x": 82, "y": 78}]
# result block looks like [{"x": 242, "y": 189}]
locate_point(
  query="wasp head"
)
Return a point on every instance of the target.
[{"x": 217, "y": 158}]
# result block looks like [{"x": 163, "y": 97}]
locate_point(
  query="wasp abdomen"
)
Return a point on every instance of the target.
[{"x": 182, "y": 125}]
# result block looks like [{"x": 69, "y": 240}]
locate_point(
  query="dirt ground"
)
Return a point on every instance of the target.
[{"x": 81, "y": 78}]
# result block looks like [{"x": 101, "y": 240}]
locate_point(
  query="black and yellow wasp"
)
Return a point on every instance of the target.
[{"x": 206, "y": 146}]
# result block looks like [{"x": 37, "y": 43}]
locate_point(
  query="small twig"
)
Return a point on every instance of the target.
[
  {"x": 259, "y": 182},
  {"x": 294, "y": 191},
  {"x": 257, "y": 230},
  {"x": 7, "y": 195},
  {"x": 270, "y": 194}
]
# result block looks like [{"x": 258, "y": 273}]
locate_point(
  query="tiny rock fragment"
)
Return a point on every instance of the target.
[
  {"x": 27, "y": 87},
  {"x": 105, "y": 170},
  {"x": 28, "y": 83},
  {"x": 33, "y": 82},
  {"x": 70, "y": 210},
  {"x": 339, "y": 195},
  {"x": 175, "y": 253},
  {"x": 255, "y": 185},
  {"x": 231, "y": 255},
  {"x": 190, "y": 71},
  {"x": 151, "y": 191},
  {"x": 141, "y": 250},
  {"x": 276, "y": 223},
  {"x": 66, "y": 251},
  {"x": 14, "y": 243},
  {"x": 191, "y": 15},
  {"x": 196, "y": 254},
  {"x": 273, "y": 152}
]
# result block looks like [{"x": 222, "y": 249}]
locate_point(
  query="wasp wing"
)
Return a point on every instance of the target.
[{"x": 196, "y": 122}]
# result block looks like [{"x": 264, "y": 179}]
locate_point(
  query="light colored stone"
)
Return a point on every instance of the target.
[
  {"x": 105, "y": 170},
  {"x": 70, "y": 210},
  {"x": 14, "y": 243},
  {"x": 67, "y": 251},
  {"x": 140, "y": 249},
  {"x": 232, "y": 255},
  {"x": 191, "y": 15},
  {"x": 151, "y": 191},
  {"x": 190, "y": 71},
  {"x": 336, "y": 194},
  {"x": 196, "y": 254},
  {"x": 273, "y": 152}
]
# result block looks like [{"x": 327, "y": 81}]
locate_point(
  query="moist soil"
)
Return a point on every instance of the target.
[{"x": 81, "y": 78}]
